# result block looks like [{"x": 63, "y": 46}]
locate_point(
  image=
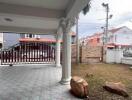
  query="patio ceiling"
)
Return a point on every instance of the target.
[{"x": 37, "y": 16}]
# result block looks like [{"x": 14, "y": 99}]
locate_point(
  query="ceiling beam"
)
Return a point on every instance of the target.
[
  {"x": 30, "y": 11},
  {"x": 13, "y": 29},
  {"x": 75, "y": 8}
]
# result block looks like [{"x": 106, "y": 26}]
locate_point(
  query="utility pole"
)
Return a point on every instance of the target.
[
  {"x": 77, "y": 43},
  {"x": 105, "y": 35},
  {"x": 107, "y": 20},
  {"x": 107, "y": 15},
  {"x": 107, "y": 12},
  {"x": 103, "y": 42},
  {"x": 103, "y": 28}
]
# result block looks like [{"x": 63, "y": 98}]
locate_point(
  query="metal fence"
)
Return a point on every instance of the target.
[{"x": 28, "y": 53}]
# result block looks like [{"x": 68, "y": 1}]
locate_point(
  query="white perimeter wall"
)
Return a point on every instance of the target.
[
  {"x": 116, "y": 56},
  {"x": 127, "y": 60}
]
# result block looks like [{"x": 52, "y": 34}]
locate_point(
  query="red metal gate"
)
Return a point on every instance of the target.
[{"x": 29, "y": 53}]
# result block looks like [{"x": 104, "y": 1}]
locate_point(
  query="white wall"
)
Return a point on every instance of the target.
[
  {"x": 114, "y": 55},
  {"x": 110, "y": 56},
  {"x": 121, "y": 37},
  {"x": 118, "y": 55},
  {"x": 124, "y": 36},
  {"x": 124, "y": 39},
  {"x": 127, "y": 60}
]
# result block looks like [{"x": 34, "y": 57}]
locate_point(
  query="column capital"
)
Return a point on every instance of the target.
[{"x": 66, "y": 24}]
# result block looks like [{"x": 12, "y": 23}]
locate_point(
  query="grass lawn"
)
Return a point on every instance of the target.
[{"x": 97, "y": 74}]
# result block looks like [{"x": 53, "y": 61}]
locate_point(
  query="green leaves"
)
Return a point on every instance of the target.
[{"x": 86, "y": 8}]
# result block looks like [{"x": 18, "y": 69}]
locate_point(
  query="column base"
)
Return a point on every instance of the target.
[
  {"x": 65, "y": 81},
  {"x": 58, "y": 65}
]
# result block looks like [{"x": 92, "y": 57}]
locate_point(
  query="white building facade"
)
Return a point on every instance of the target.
[
  {"x": 122, "y": 36},
  {"x": 118, "y": 38}
]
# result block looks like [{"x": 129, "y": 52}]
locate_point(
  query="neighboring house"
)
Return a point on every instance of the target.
[
  {"x": 37, "y": 38},
  {"x": 43, "y": 38},
  {"x": 122, "y": 37},
  {"x": 83, "y": 41},
  {"x": 6, "y": 41},
  {"x": 94, "y": 40},
  {"x": 29, "y": 36},
  {"x": 117, "y": 38}
]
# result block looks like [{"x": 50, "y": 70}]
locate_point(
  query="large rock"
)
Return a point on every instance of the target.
[
  {"x": 79, "y": 87},
  {"x": 117, "y": 88}
]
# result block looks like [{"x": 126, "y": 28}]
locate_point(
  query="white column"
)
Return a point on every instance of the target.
[
  {"x": 66, "y": 56},
  {"x": 58, "y": 53}
]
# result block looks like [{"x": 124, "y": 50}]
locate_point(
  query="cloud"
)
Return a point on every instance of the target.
[
  {"x": 88, "y": 29},
  {"x": 95, "y": 18},
  {"x": 122, "y": 18}
]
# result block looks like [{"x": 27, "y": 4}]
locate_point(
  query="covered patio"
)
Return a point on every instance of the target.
[
  {"x": 32, "y": 82},
  {"x": 54, "y": 17}
]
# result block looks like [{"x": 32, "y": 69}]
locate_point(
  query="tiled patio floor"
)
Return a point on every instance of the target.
[{"x": 32, "y": 82}]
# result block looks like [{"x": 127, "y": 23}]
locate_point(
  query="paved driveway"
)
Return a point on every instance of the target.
[{"x": 32, "y": 82}]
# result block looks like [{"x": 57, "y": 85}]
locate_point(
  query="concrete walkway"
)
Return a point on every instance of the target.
[{"x": 32, "y": 82}]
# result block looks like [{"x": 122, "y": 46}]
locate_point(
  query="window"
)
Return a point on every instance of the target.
[
  {"x": 98, "y": 40},
  {"x": 115, "y": 38},
  {"x": 108, "y": 39},
  {"x": 30, "y": 35},
  {"x": 91, "y": 40}
]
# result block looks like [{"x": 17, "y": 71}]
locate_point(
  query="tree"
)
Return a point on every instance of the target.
[{"x": 87, "y": 8}]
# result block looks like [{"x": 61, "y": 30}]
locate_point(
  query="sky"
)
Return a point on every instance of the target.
[{"x": 95, "y": 18}]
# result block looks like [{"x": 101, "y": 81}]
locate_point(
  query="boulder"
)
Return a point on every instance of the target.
[
  {"x": 79, "y": 87},
  {"x": 117, "y": 88}
]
